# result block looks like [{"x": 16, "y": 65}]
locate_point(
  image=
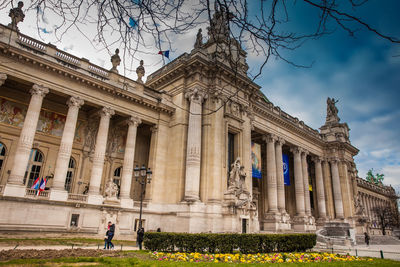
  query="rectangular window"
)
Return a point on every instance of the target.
[{"x": 74, "y": 220}]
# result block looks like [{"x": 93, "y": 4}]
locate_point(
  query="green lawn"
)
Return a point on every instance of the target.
[
  {"x": 136, "y": 258},
  {"x": 60, "y": 241}
]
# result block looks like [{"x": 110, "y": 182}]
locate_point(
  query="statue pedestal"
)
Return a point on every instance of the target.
[{"x": 111, "y": 201}]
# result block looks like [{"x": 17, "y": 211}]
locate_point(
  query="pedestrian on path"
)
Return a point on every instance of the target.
[
  {"x": 366, "y": 237},
  {"x": 109, "y": 236},
  {"x": 140, "y": 236}
]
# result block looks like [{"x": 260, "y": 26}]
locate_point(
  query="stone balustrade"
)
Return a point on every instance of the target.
[
  {"x": 1, "y": 189},
  {"x": 33, "y": 193},
  {"x": 77, "y": 197},
  {"x": 381, "y": 189}
]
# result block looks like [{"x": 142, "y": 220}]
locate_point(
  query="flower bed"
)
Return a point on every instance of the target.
[{"x": 255, "y": 258}]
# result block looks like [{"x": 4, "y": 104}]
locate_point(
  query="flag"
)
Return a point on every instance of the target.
[
  {"x": 42, "y": 184},
  {"x": 256, "y": 160},
  {"x": 164, "y": 53},
  {"x": 36, "y": 184},
  {"x": 133, "y": 23},
  {"x": 286, "y": 175}
]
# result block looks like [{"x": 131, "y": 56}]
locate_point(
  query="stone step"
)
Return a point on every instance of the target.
[{"x": 379, "y": 240}]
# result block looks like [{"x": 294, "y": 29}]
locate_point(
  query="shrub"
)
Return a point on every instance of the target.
[{"x": 228, "y": 243}]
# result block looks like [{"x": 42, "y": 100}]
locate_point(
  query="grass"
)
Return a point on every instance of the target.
[
  {"x": 142, "y": 258},
  {"x": 60, "y": 241}
]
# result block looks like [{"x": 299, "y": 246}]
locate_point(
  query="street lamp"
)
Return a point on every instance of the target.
[{"x": 142, "y": 176}]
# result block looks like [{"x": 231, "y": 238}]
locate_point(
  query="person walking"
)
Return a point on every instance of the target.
[
  {"x": 110, "y": 235},
  {"x": 366, "y": 237},
  {"x": 139, "y": 238}
]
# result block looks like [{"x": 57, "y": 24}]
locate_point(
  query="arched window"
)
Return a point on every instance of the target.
[
  {"x": 70, "y": 174},
  {"x": 34, "y": 166},
  {"x": 2, "y": 155},
  {"x": 117, "y": 178}
]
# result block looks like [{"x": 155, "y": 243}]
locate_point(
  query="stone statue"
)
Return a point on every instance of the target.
[
  {"x": 17, "y": 15},
  {"x": 219, "y": 25},
  {"x": 199, "y": 40},
  {"x": 111, "y": 190},
  {"x": 234, "y": 175},
  {"x": 331, "y": 110},
  {"x": 115, "y": 60},
  {"x": 358, "y": 205},
  {"x": 140, "y": 72}
]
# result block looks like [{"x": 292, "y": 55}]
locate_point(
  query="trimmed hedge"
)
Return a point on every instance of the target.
[{"x": 227, "y": 243}]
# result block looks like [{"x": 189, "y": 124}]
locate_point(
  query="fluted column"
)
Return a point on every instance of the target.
[
  {"x": 279, "y": 175},
  {"x": 193, "y": 149},
  {"x": 306, "y": 183},
  {"x": 129, "y": 158},
  {"x": 64, "y": 153},
  {"x": 98, "y": 157},
  {"x": 298, "y": 182},
  {"x": 319, "y": 180},
  {"x": 271, "y": 174},
  {"x": 337, "y": 192},
  {"x": 25, "y": 142}
]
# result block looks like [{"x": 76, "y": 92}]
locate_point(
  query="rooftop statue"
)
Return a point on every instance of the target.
[
  {"x": 17, "y": 15},
  {"x": 375, "y": 179},
  {"x": 199, "y": 40},
  {"x": 331, "y": 110},
  {"x": 115, "y": 60},
  {"x": 219, "y": 25},
  {"x": 140, "y": 71}
]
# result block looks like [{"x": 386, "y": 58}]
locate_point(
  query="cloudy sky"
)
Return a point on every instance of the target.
[{"x": 362, "y": 72}]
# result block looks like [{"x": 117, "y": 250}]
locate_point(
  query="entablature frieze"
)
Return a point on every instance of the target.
[
  {"x": 147, "y": 96},
  {"x": 387, "y": 191}
]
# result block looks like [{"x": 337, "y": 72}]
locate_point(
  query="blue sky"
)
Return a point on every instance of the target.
[{"x": 363, "y": 72}]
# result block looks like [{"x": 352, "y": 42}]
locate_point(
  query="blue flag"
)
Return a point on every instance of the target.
[
  {"x": 164, "y": 53},
  {"x": 286, "y": 175}
]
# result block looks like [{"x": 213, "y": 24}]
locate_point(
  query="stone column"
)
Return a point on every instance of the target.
[
  {"x": 15, "y": 185},
  {"x": 152, "y": 161},
  {"x": 337, "y": 192},
  {"x": 129, "y": 158},
  {"x": 271, "y": 174},
  {"x": 328, "y": 189},
  {"x": 196, "y": 97},
  {"x": 279, "y": 176},
  {"x": 64, "y": 154},
  {"x": 320, "y": 189},
  {"x": 98, "y": 157},
  {"x": 306, "y": 183},
  {"x": 298, "y": 182}
]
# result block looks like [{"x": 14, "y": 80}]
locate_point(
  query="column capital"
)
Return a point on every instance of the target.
[
  {"x": 296, "y": 150},
  {"x": 134, "y": 120},
  {"x": 106, "y": 111},
  {"x": 317, "y": 159},
  {"x": 333, "y": 160},
  {"x": 270, "y": 138},
  {"x": 305, "y": 152},
  {"x": 196, "y": 94},
  {"x": 75, "y": 101},
  {"x": 39, "y": 90},
  {"x": 3, "y": 78},
  {"x": 280, "y": 141},
  {"x": 154, "y": 128}
]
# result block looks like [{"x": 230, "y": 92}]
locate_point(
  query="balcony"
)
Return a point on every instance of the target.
[
  {"x": 33, "y": 193},
  {"x": 77, "y": 197}
]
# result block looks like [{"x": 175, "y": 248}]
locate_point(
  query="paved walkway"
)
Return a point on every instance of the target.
[{"x": 389, "y": 251}]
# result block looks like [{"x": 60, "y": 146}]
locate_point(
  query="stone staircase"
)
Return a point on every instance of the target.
[{"x": 378, "y": 240}]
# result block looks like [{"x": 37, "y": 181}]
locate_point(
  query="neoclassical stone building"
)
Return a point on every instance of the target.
[{"x": 193, "y": 123}]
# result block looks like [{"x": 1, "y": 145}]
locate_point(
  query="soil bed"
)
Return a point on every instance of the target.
[{"x": 12, "y": 254}]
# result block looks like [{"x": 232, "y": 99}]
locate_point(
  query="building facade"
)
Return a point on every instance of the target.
[{"x": 199, "y": 123}]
